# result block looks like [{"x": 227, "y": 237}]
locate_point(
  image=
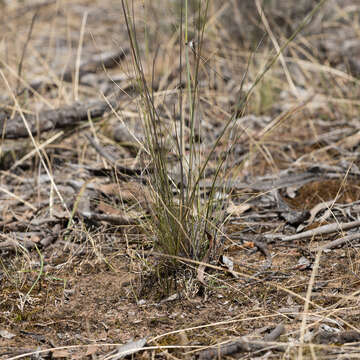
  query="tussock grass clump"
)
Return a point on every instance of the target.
[{"x": 186, "y": 217}]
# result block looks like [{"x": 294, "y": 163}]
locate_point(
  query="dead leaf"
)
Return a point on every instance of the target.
[
  {"x": 229, "y": 264},
  {"x": 129, "y": 348},
  {"x": 237, "y": 210},
  {"x": 303, "y": 264},
  {"x": 127, "y": 192},
  {"x": 108, "y": 189},
  {"x": 201, "y": 274},
  {"x": 60, "y": 354},
  {"x": 350, "y": 142},
  {"x": 108, "y": 209},
  {"x": 91, "y": 350},
  {"x": 6, "y": 334},
  {"x": 249, "y": 244},
  {"x": 35, "y": 239}
]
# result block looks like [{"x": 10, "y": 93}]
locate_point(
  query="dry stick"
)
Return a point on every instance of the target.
[
  {"x": 102, "y": 61},
  {"x": 100, "y": 150},
  {"x": 244, "y": 345},
  {"x": 47, "y": 120},
  {"x": 326, "y": 229},
  {"x": 112, "y": 219},
  {"x": 338, "y": 242}
]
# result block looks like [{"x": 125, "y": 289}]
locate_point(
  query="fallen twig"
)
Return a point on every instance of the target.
[
  {"x": 339, "y": 242},
  {"x": 112, "y": 219},
  {"x": 100, "y": 150},
  {"x": 326, "y": 229},
  {"x": 243, "y": 345},
  {"x": 53, "y": 119}
]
